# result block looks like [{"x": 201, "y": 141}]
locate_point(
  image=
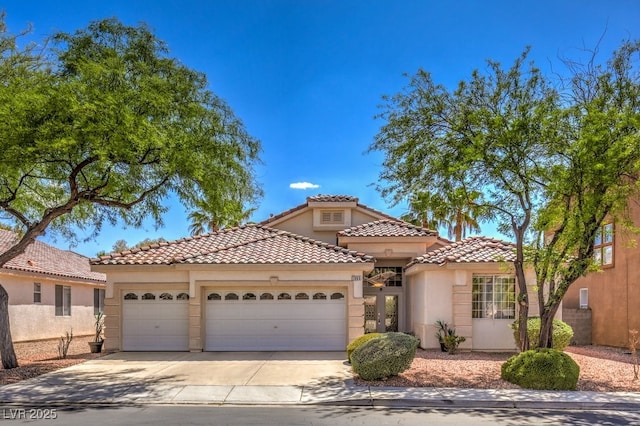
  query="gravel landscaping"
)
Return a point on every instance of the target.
[
  {"x": 602, "y": 369},
  {"x": 36, "y": 358}
]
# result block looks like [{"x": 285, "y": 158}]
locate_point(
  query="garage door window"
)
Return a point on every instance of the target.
[
  {"x": 284, "y": 296},
  {"x": 166, "y": 296},
  {"x": 337, "y": 296},
  {"x": 266, "y": 296},
  {"x": 182, "y": 296},
  {"x": 302, "y": 296},
  {"x": 319, "y": 296},
  {"x": 249, "y": 296},
  {"x": 231, "y": 296},
  {"x": 148, "y": 296},
  {"x": 214, "y": 296}
]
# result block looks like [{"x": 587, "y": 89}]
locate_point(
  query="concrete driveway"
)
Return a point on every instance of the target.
[{"x": 174, "y": 377}]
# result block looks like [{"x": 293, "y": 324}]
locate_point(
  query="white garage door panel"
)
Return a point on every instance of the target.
[
  {"x": 155, "y": 325},
  {"x": 260, "y": 325}
]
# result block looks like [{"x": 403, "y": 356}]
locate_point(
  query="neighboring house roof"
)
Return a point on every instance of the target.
[
  {"x": 326, "y": 199},
  {"x": 470, "y": 250},
  {"x": 248, "y": 244},
  {"x": 42, "y": 258},
  {"x": 387, "y": 228}
]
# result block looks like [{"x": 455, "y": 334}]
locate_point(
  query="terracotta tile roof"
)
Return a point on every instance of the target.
[
  {"x": 470, "y": 250},
  {"x": 249, "y": 244},
  {"x": 387, "y": 228},
  {"x": 332, "y": 198},
  {"x": 326, "y": 198},
  {"x": 42, "y": 258}
]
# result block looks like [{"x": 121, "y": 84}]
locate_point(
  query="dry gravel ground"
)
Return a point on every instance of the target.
[
  {"x": 602, "y": 368},
  {"x": 35, "y": 358}
]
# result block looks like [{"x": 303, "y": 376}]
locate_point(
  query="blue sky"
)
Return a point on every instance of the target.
[{"x": 307, "y": 76}]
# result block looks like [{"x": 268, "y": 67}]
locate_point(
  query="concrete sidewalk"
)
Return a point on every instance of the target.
[{"x": 263, "y": 379}]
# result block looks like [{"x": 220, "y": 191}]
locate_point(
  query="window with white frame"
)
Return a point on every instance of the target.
[
  {"x": 63, "y": 301},
  {"x": 98, "y": 301},
  {"x": 603, "y": 245},
  {"x": 494, "y": 296},
  {"x": 37, "y": 293}
]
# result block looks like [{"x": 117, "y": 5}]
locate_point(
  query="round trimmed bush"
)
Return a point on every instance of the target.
[
  {"x": 360, "y": 341},
  {"x": 545, "y": 369},
  {"x": 562, "y": 333},
  {"x": 387, "y": 355}
]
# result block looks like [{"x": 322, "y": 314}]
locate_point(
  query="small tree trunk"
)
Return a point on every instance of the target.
[
  {"x": 7, "y": 353},
  {"x": 546, "y": 326}
]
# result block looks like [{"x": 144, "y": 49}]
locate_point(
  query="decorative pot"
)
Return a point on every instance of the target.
[{"x": 95, "y": 347}]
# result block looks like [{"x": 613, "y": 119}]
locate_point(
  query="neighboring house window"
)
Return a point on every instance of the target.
[
  {"x": 37, "y": 293},
  {"x": 494, "y": 296},
  {"x": 98, "y": 301},
  {"x": 603, "y": 245},
  {"x": 328, "y": 217},
  {"x": 63, "y": 301}
]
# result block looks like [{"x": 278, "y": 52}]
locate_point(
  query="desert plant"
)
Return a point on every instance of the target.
[
  {"x": 360, "y": 341},
  {"x": 449, "y": 340},
  {"x": 633, "y": 346},
  {"x": 63, "y": 344},
  {"x": 452, "y": 342},
  {"x": 546, "y": 369},
  {"x": 385, "y": 356},
  {"x": 99, "y": 324},
  {"x": 562, "y": 333}
]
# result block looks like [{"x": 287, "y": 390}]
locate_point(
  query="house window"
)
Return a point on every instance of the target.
[
  {"x": 494, "y": 296},
  {"x": 37, "y": 293},
  {"x": 603, "y": 245},
  {"x": 331, "y": 217},
  {"x": 98, "y": 301},
  {"x": 63, "y": 301},
  {"x": 386, "y": 276}
]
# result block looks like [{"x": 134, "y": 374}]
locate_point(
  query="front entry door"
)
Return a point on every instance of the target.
[{"x": 380, "y": 313}]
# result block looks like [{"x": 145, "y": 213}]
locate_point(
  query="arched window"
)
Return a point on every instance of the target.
[
  {"x": 231, "y": 296},
  {"x": 284, "y": 296},
  {"x": 249, "y": 296},
  {"x": 214, "y": 296},
  {"x": 266, "y": 296},
  {"x": 166, "y": 296},
  {"x": 337, "y": 296},
  {"x": 148, "y": 296},
  {"x": 182, "y": 296},
  {"x": 130, "y": 296},
  {"x": 319, "y": 296},
  {"x": 302, "y": 296}
]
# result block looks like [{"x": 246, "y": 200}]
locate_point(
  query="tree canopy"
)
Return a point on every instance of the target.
[
  {"x": 101, "y": 125},
  {"x": 548, "y": 155}
]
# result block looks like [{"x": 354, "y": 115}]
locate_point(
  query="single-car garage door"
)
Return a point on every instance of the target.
[
  {"x": 276, "y": 320},
  {"x": 155, "y": 321}
]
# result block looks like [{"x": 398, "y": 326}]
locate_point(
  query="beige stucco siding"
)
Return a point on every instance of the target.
[{"x": 36, "y": 321}]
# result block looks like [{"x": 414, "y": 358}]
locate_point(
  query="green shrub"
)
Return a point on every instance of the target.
[
  {"x": 547, "y": 369},
  {"x": 562, "y": 333},
  {"x": 359, "y": 341},
  {"x": 385, "y": 356}
]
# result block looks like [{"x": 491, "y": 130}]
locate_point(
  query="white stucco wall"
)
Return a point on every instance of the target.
[
  {"x": 445, "y": 293},
  {"x": 36, "y": 321}
]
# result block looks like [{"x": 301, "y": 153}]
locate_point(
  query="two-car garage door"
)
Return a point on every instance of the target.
[
  {"x": 275, "y": 320},
  {"x": 255, "y": 320}
]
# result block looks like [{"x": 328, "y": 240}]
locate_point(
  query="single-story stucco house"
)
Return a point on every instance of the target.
[
  {"x": 51, "y": 291},
  {"x": 314, "y": 277}
]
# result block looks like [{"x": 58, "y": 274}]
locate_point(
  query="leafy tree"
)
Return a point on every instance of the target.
[
  {"x": 102, "y": 125},
  {"x": 454, "y": 211},
  {"x": 594, "y": 176},
  {"x": 552, "y": 162},
  {"x": 489, "y": 137},
  {"x": 121, "y": 245}
]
